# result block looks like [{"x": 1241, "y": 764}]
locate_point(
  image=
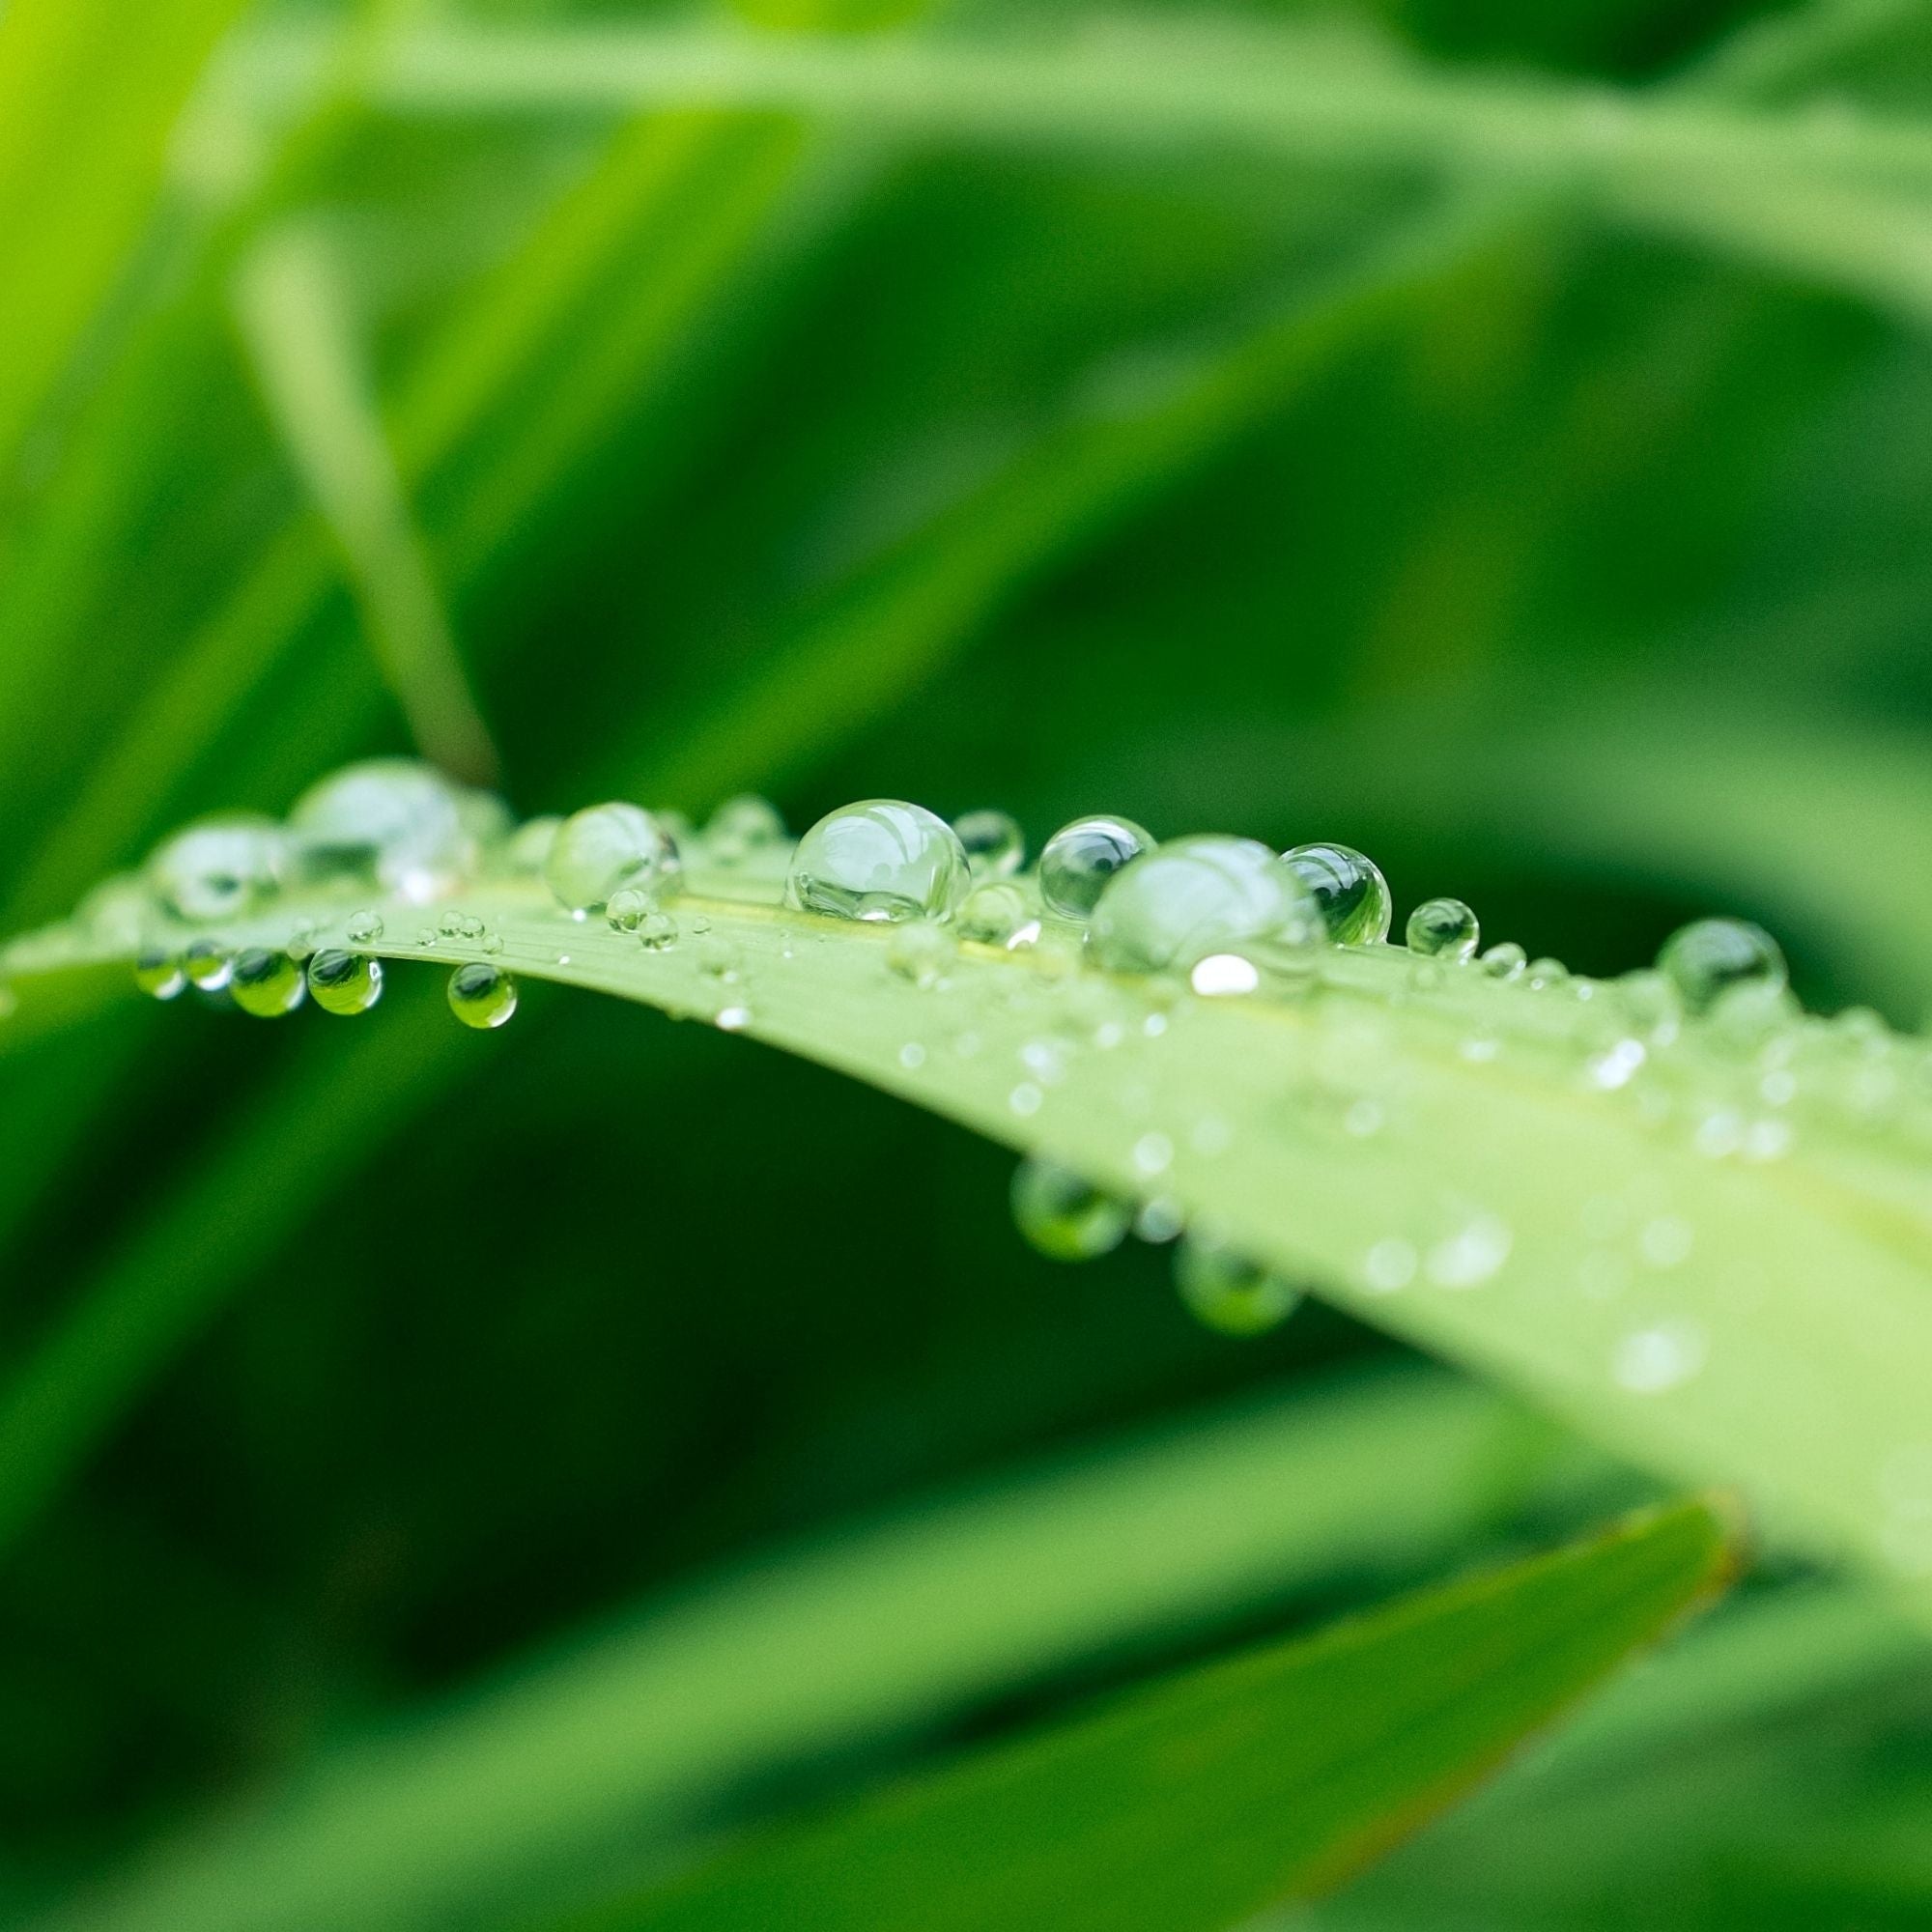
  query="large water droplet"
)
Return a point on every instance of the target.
[
  {"x": 880, "y": 859},
  {"x": 1442, "y": 929},
  {"x": 1349, "y": 891},
  {"x": 605, "y": 848},
  {"x": 482, "y": 995},
  {"x": 342, "y": 982},
  {"x": 1194, "y": 896},
  {"x": 392, "y": 821},
  {"x": 1226, "y": 1292},
  {"x": 1711, "y": 956},
  {"x": 220, "y": 867},
  {"x": 1079, "y": 859},
  {"x": 994, "y": 843},
  {"x": 1064, "y": 1215},
  {"x": 266, "y": 982}
]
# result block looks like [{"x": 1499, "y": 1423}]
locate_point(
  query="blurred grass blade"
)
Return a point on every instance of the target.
[
  {"x": 90, "y": 92},
  {"x": 1189, "y": 1805},
  {"x": 294, "y": 313},
  {"x": 637, "y": 1733}
]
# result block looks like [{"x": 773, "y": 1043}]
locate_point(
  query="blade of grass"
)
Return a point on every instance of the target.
[{"x": 647, "y": 1727}]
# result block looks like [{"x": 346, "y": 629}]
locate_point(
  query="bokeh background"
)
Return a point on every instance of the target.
[{"x": 1553, "y": 528}]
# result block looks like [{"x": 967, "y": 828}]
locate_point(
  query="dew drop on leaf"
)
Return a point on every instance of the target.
[
  {"x": 1505, "y": 960},
  {"x": 159, "y": 975},
  {"x": 220, "y": 868},
  {"x": 994, "y": 844},
  {"x": 1348, "y": 890},
  {"x": 1226, "y": 1292},
  {"x": 1064, "y": 1216},
  {"x": 482, "y": 995},
  {"x": 393, "y": 822},
  {"x": 605, "y": 848},
  {"x": 881, "y": 858},
  {"x": 207, "y": 965},
  {"x": 266, "y": 982},
  {"x": 1079, "y": 859},
  {"x": 345, "y": 983},
  {"x": 921, "y": 953},
  {"x": 1709, "y": 956},
  {"x": 1442, "y": 929},
  {"x": 1195, "y": 897}
]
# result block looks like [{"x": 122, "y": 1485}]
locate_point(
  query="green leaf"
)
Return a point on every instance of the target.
[
  {"x": 1533, "y": 1179},
  {"x": 1188, "y": 1805}
]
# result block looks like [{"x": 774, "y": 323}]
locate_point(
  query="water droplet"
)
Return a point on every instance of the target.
[
  {"x": 220, "y": 867},
  {"x": 605, "y": 848},
  {"x": 1159, "y": 1220},
  {"x": 1079, "y": 859},
  {"x": 345, "y": 983},
  {"x": 733, "y": 1020},
  {"x": 364, "y": 928},
  {"x": 450, "y": 925},
  {"x": 394, "y": 822},
  {"x": 1711, "y": 956},
  {"x": 995, "y": 846},
  {"x": 531, "y": 843},
  {"x": 1389, "y": 1265},
  {"x": 1469, "y": 1257},
  {"x": 1194, "y": 896},
  {"x": 207, "y": 965},
  {"x": 1617, "y": 1065},
  {"x": 657, "y": 931},
  {"x": 1064, "y": 1216},
  {"x": 1648, "y": 1361},
  {"x": 159, "y": 975},
  {"x": 1025, "y": 1098},
  {"x": 1505, "y": 960},
  {"x": 481, "y": 995},
  {"x": 266, "y": 983},
  {"x": 628, "y": 908},
  {"x": 1349, "y": 889},
  {"x": 1226, "y": 1292},
  {"x": 1544, "y": 973},
  {"x": 998, "y": 914},
  {"x": 912, "y": 1056},
  {"x": 921, "y": 953},
  {"x": 1153, "y": 1153},
  {"x": 717, "y": 960},
  {"x": 1443, "y": 929},
  {"x": 881, "y": 858},
  {"x": 742, "y": 828}
]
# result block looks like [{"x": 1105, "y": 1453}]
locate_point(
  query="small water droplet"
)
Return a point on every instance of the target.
[
  {"x": 606, "y": 848},
  {"x": 1348, "y": 890},
  {"x": 1544, "y": 973},
  {"x": 1389, "y": 1265},
  {"x": 741, "y": 829},
  {"x": 733, "y": 1020},
  {"x": 1077, "y": 863},
  {"x": 1025, "y": 1098},
  {"x": 482, "y": 995},
  {"x": 1443, "y": 929},
  {"x": 1224, "y": 976},
  {"x": 998, "y": 914},
  {"x": 1226, "y": 1292},
  {"x": 657, "y": 931},
  {"x": 921, "y": 951},
  {"x": 912, "y": 1056},
  {"x": 718, "y": 959},
  {"x": 159, "y": 975},
  {"x": 364, "y": 928},
  {"x": 1153, "y": 1153},
  {"x": 345, "y": 983},
  {"x": 1064, "y": 1216},
  {"x": 1471, "y": 1256},
  {"x": 881, "y": 858},
  {"x": 1710, "y": 957},
  {"x": 1159, "y": 1220},
  {"x": 995, "y": 845},
  {"x": 207, "y": 965},
  {"x": 266, "y": 982},
  {"x": 1649, "y": 1361},
  {"x": 627, "y": 907},
  {"x": 450, "y": 925},
  {"x": 1505, "y": 960}
]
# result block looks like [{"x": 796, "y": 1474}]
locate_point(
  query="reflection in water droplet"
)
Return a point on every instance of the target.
[
  {"x": 159, "y": 975},
  {"x": 1228, "y": 1293},
  {"x": 880, "y": 859},
  {"x": 207, "y": 965},
  {"x": 393, "y": 822},
  {"x": 481, "y": 995},
  {"x": 343, "y": 984},
  {"x": 220, "y": 867},
  {"x": 1505, "y": 960},
  {"x": 1711, "y": 956},
  {"x": 1064, "y": 1216},
  {"x": 1443, "y": 929},
  {"x": 266, "y": 983},
  {"x": 994, "y": 843},
  {"x": 1077, "y": 863},
  {"x": 1348, "y": 890},
  {"x": 1195, "y": 897}
]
